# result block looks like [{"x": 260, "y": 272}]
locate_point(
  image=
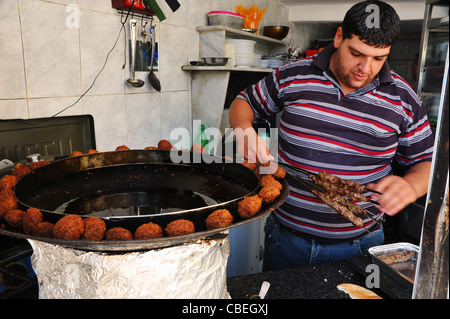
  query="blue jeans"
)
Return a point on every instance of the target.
[{"x": 284, "y": 249}]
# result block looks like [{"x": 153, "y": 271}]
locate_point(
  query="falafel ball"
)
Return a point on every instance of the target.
[
  {"x": 272, "y": 169},
  {"x": 7, "y": 202},
  {"x": 280, "y": 173},
  {"x": 148, "y": 231},
  {"x": 8, "y": 182},
  {"x": 268, "y": 194},
  {"x": 35, "y": 165},
  {"x": 20, "y": 170},
  {"x": 165, "y": 145},
  {"x": 43, "y": 229},
  {"x": 269, "y": 180},
  {"x": 69, "y": 227},
  {"x": 218, "y": 219},
  {"x": 94, "y": 228},
  {"x": 6, "y": 192},
  {"x": 249, "y": 206},
  {"x": 14, "y": 218},
  {"x": 249, "y": 165},
  {"x": 122, "y": 148},
  {"x": 76, "y": 153},
  {"x": 180, "y": 227},
  {"x": 31, "y": 217},
  {"x": 118, "y": 233}
]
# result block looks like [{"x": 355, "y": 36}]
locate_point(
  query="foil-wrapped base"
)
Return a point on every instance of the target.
[{"x": 187, "y": 271}]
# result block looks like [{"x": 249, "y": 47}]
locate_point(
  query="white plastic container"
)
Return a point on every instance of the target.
[{"x": 226, "y": 18}]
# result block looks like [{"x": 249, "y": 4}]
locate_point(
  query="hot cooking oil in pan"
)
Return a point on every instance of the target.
[{"x": 138, "y": 202}]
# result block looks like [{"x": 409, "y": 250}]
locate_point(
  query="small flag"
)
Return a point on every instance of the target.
[{"x": 163, "y": 8}]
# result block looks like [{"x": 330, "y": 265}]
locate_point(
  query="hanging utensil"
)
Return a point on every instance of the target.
[
  {"x": 132, "y": 80},
  {"x": 152, "y": 78}
]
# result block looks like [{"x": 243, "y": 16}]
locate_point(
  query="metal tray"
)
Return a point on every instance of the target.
[
  {"x": 227, "y": 183},
  {"x": 403, "y": 272}
]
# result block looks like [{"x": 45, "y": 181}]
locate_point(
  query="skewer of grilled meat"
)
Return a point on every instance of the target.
[
  {"x": 354, "y": 208},
  {"x": 334, "y": 185},
  {"x": 341, "y": 209},
  {"x": 344, "y": 183}
]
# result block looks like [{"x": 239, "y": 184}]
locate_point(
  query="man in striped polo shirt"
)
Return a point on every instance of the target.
[{"x": 347, "y": 113}]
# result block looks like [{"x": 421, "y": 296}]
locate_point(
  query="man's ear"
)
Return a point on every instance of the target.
[{"x": 338, "y": 37}]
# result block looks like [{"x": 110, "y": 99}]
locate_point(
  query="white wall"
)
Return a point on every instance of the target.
[{"x": 46, "y": 66}]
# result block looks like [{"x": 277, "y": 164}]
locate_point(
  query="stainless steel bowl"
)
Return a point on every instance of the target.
[{"x": 217, "y": 61}]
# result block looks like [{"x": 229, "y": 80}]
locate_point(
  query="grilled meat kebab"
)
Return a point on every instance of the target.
[
  {"x": 341, "y": 209},
  {"x": 335, "y": 185}
]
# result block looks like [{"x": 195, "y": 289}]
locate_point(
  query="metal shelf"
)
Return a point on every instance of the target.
[
  {"x": 225, "y": 68},
  {"x": 239, "y": 34},
  {"x": 431, "y": 72}
]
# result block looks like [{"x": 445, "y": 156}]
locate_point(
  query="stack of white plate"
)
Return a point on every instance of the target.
[
  {"x": 275, "y": 63},
  {"x": 257, "y": 59},
  {"x": 244, "y": 51}
]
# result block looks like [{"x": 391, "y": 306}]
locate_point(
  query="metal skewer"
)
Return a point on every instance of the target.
[
  {"x": 306, "y": 172},
  {"x": 306, "y": 182},
  {"x": 311, "y": 186}
]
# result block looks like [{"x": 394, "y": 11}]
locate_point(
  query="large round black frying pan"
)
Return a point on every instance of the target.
[{"x": 130, "y": 188}]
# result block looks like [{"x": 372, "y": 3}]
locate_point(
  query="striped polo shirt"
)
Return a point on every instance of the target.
[{"x": 355, "y": 136}]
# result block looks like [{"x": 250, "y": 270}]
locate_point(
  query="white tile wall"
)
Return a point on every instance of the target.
[
  {"x": 98, "y": 33},
  {"x": 46, "y": 64},
  {"x": 110, "y": 120},
  {"x": 51, "y": 50},
  {"x": 12, "y": 75}
]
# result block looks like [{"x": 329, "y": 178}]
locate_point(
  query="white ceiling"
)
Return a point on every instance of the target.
[{"x": 334, "y": 10}]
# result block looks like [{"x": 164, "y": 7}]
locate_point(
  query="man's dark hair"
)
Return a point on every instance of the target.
[{"x": 361, "y": 21}]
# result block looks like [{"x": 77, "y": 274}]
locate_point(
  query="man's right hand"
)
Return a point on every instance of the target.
[{"x": 251, "y": 146}]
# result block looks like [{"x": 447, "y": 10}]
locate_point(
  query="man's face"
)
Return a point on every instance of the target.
[{"x": 355, "y": 63}]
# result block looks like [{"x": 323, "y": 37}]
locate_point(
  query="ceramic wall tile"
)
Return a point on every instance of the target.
[
  {"x": 219, "y": 5},
  {"x": 13, "y": 109},
  {"x": 51, "y": 50},
  {"x": 209, "y": 97},
  {"x": 198, "y": 13},
  {"x": 47, "y": 107},
  {"x": 99, "y": 6},
  {"x": 175, "y": 113},
  {"x": 144, "y": 118},
  {"x": 98, "y": 35},
  {"x": 63, "y": 2},
  {"x": 193, "y": 53},
  {"x": 110, "y": 120},
  {"x": 172, "y": 55},
  {"x": 12, "y": 79}
]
